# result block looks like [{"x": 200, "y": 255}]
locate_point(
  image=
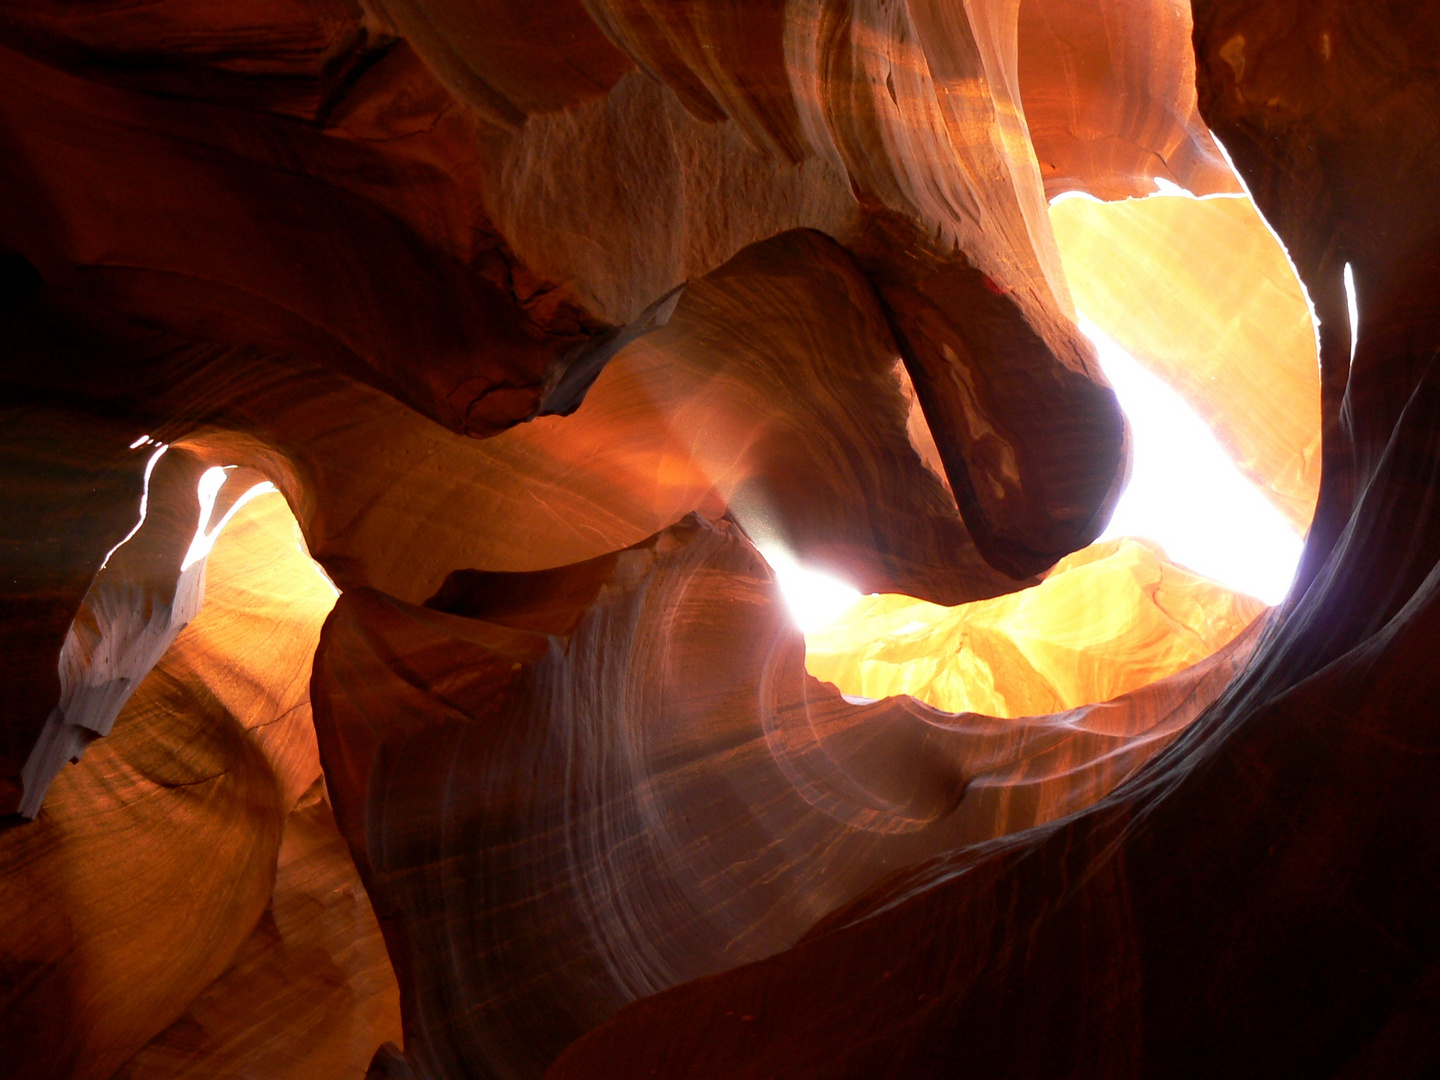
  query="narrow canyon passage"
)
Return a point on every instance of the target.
[{"x": 616, "y": 538}]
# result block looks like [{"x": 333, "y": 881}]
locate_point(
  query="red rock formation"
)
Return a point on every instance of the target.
[
  {"x": 69, "y": 474},
  {"x": 309, "y": 992},
  {"x": 1260, "y": 900},
  {"x": 542, "y": 319},
  {"x": 155, "y": 857},
  {"x": 1109, "y": 96},
  {"x": 642, "y": 786}
]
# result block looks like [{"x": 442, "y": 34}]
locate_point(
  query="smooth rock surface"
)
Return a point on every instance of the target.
[{"x": 544, "y": 320}]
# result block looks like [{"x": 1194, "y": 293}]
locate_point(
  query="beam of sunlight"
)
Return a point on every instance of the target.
[
  {"x": 1186, "y": 494},
  {"x": 208, "y": 490},
  {"x": 815, "y": 598}
]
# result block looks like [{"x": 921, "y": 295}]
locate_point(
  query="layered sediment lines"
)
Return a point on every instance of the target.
[
  {"x": 643, "y": 786},
  {"x": 544, "y": 322}
]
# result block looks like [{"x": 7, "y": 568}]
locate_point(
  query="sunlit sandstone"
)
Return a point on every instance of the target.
[
  {"x": 1201, "y": 292},
  {"x": 1107, "y": 620},
  {"x": 545, "y": 320}
]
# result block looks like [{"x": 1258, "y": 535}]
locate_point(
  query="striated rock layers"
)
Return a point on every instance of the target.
[{"x": 412, "y": 411}]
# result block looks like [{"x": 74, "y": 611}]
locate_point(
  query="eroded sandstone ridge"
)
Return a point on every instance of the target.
[{"x": 411, "y": 408}]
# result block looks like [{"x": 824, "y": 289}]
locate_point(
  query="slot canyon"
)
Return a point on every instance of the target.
[{"x": 620, "y": 539}]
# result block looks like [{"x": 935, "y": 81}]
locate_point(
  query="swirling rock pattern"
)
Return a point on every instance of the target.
[
  {"x": 309, "y": 993},
  {"x": 541, "y": 317},
  {"x": 181, "y": 811},
  {"x": 1259, "y": 901},
  {"x": 1109, "y": 96},
  {"x": 642, "y": 786}
]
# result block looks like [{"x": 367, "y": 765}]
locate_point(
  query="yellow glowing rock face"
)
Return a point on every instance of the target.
[
  {"x": 1108, "y": 620},
  {"x": 265, "y": 602},
  {"x": 1201, "y": 293}
]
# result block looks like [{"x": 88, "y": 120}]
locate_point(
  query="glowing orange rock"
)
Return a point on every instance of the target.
[
  {"x": 571, "y": 788},
  {"x": 642, "y": 786},
  {"x": 1109, "y": 94},
  {"x": 174, "y": 821},
  {"x": 310, "y": 993},
  {"x": 1109, "y": 619}
]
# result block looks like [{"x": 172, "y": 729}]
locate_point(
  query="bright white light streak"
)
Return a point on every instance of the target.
[
  {"x": 144, "y": 495},
  {"x": 208, "y": 490},
  {"x": 1186, "y": 494},
  {"x": 1353, "y": 306},
  {"x": 815, "y": 598},
  {"x": 141, "y": 441}
]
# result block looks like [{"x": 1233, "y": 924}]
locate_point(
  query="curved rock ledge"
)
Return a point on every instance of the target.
[
  {"x": 542, "y": 318},
  {"x": 642, "y": 786}
]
